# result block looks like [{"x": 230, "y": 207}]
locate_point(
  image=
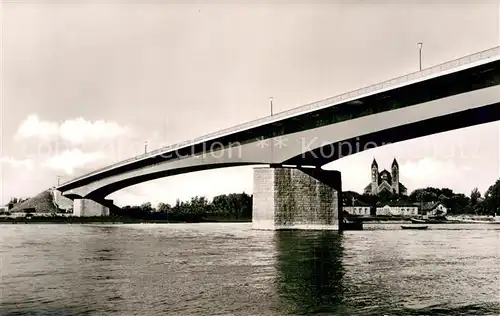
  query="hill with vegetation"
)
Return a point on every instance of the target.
[{"x": 40, "y": 203}]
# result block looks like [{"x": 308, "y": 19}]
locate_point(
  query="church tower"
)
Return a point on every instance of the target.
[
  {"x": 395, "y": 176},
  {"x": 374, "y": 177}
]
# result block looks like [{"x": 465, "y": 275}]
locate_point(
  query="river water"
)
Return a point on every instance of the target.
[{"x": 229, "y": 269}]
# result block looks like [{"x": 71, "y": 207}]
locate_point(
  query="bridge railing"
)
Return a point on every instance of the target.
[{"x": 479, "y": 56}]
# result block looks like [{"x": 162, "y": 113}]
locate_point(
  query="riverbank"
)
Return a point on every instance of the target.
[
  {"x": 111, "y": 220},
  {"x": 400, "y": 221},
  {"x": 381, "y": 219}
]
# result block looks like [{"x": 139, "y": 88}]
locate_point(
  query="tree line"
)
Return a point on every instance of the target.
[{"x": 234, "y": 207}]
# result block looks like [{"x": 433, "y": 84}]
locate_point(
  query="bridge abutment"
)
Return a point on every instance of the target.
[
  {"x": 291, "y": 198},
  {"x": 87, "y": 207}
]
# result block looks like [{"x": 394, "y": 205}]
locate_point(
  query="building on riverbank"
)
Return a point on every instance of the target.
[
  {"x": 434, "y": 209},
  {"x": 358, "y": 208},
  {"x": 396, "y": 209}
]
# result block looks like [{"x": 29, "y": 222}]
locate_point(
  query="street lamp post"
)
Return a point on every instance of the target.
[
  {"x": 420, "y": 44},
  {"x": 271, "y": 101}
]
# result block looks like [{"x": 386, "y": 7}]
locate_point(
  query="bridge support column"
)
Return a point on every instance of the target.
[
  {"x": 87, "y": 207},
  {"x": 288, "y": 198}
]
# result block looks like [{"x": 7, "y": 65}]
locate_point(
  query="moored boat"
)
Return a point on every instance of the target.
[
  {"x": 431, "y": 220},
  {"x": 418, "y": 221},
  {"x": 414, "y": 227}
]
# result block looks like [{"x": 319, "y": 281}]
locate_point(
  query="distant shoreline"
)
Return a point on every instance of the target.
[{"x": 111, "y": 220}]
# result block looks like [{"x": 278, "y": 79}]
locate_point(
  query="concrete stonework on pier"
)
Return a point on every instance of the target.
[
  {"x": 86, "y": 207},
  {"x": 288, "y": 198}
]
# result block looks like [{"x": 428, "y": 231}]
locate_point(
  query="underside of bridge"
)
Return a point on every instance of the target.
[
  {"x": 283, "y": 198},
  {"x": 330, "y": 152},
  {"x": 317, "y": 157},
  {"x": 448, "y": 102}
]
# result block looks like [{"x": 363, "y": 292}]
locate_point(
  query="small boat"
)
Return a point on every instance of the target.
[
  {"x": 431, "y": 220},
  {"x": 414, "y": 227},
  {"x": 418, "y": 221}
]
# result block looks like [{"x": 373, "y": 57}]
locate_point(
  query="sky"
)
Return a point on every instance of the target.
[{"x": 85, "y": 84}]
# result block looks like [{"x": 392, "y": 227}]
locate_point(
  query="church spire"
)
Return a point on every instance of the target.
[
  {"x": 395, "y": 163},
  {"x": 374, "y": 163}
]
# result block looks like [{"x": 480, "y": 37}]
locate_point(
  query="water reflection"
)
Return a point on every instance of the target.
[
  {"x": 309, "y": 271},
  {"x": 98, "y": 270}
]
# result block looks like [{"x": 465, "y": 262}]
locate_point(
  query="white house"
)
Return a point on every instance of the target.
[
  {"x": 397, "y": 209},
  {"x": 358, "y": 208},
  {"x": 438, "y": 209},
  {"x": 408, "y": 210},
  {"x": 384, "y": 210}
]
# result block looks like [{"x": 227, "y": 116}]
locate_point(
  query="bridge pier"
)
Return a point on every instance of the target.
[
  {"x": 295, "y": 198},
  {"x": 87, "y": 207}
]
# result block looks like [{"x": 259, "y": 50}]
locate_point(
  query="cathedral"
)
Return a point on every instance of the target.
[{"x": 385, "y": 180}]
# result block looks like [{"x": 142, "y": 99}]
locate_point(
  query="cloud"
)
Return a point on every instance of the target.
[
  {"x": 17, "y": 163},
  {"x": 72, "y": 145},
  {"x": 79, "y": 130},
  {"x": 69, "y": 160},
  {"x": 32, "y": 127},
  {"x": 75, "y": 131}
]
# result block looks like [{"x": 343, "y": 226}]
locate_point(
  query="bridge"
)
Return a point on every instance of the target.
[{"x": 453, "y": 95}]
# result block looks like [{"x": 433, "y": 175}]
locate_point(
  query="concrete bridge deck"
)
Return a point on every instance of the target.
[
  {"x": 452, "y": 95},
  {"x": 466, "y": 62}
]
